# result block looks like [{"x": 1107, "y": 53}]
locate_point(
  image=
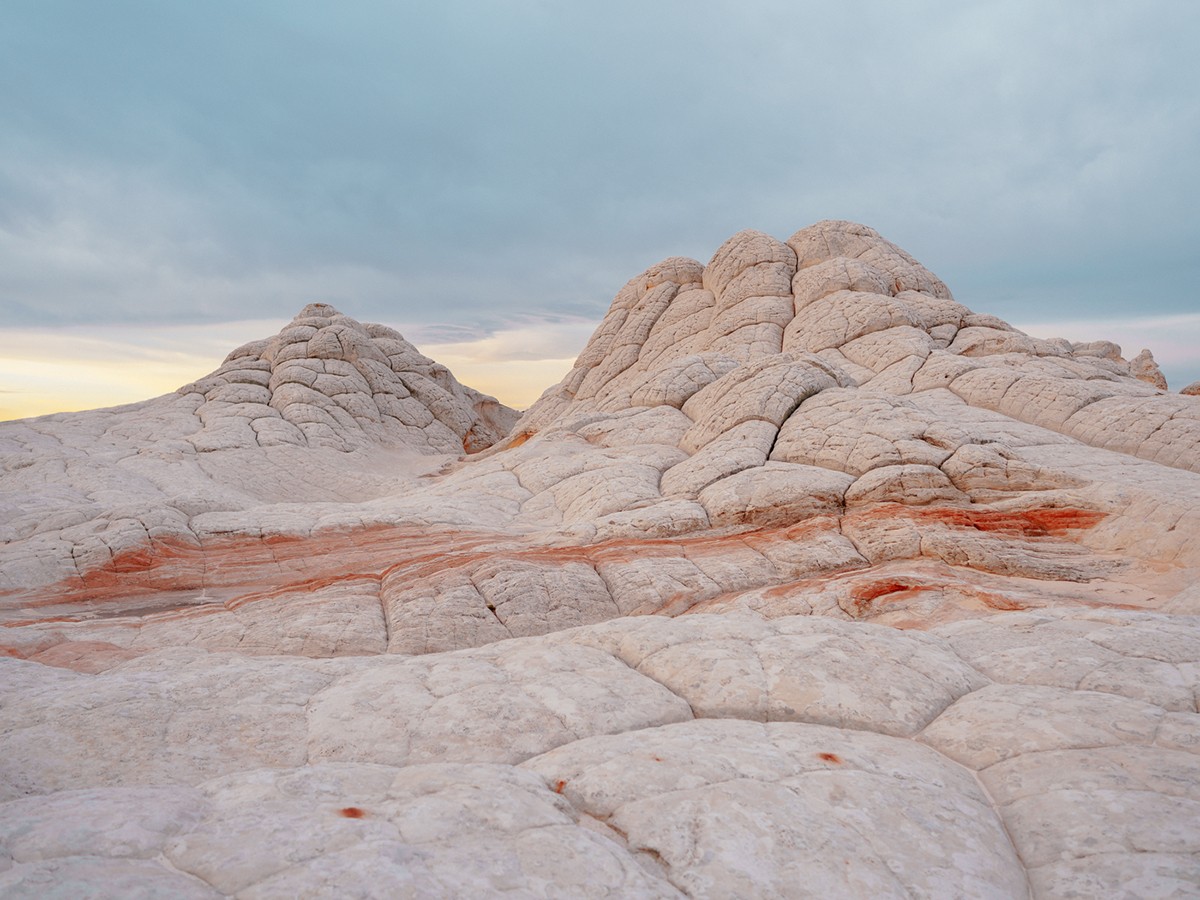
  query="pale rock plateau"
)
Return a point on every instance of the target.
[{"x": 806, "y": 581}]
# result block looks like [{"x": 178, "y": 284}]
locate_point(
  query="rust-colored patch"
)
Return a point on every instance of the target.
[
  {"x": 83, "y": 656},
  {"x": 559, "y": 785},
  {"x": 1026, "y": 523},
  {"x": 272, "y": 565},
  {"x": 266, "y": 565},
  {"x": 133, "y": 560},
  {"x": 830, "y": 758},
  {"x": 779, "y": 591},
  {"x": 352, "y": 812},
  {"x": 308, "y": 586},
  {"x": 1029, "y": 523},
  {"x": 863, "y": 596},
  {"x": 999, "y": 601},
  {"x": 283, "y": 563},
  {"x": 18, "y": 623},
  {"x": 865, "y": 593}
]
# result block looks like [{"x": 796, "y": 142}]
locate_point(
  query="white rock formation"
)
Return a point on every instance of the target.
[
  {"x": 806, "y": 581},
  {"x": 327, "y": 411}
]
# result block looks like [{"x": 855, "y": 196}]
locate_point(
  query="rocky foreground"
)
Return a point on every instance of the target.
[{"x": 806, "y": 581}]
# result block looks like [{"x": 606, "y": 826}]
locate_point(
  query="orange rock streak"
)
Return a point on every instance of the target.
[{"x": 267, "y": 566}]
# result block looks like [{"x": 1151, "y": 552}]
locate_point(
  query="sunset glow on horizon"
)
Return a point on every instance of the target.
[
  {"x": 49, "y": 371},
  {"x": 46, "y": 371}
]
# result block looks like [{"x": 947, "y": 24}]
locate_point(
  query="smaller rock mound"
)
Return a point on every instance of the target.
[{"x": 329, "y": 380}]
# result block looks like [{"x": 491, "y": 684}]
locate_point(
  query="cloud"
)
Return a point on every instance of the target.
[
  {"x": 60, "y": 370},
  {"x": 516, "y": 364},
  {"x": 460, "y": 164},
  {"x": 525, "y": 339}
]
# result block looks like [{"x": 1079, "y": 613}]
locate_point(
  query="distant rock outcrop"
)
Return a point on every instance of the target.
[
  {"x": 806, "y": 580},
  {"x": 1144, "y": 368},
  {"x": 327, "y": 380}
]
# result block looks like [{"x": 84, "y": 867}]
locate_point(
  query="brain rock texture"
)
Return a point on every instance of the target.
[{"x": 806, "y": 581}]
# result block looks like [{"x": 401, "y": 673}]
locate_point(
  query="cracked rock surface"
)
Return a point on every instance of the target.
[{"x": 807, "y": 580}]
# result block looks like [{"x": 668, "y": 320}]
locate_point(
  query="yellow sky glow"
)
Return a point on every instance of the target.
[{"x": 46, "y": 371}]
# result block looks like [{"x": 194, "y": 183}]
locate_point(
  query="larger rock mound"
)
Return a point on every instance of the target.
[{"x": 839, "y": 299}]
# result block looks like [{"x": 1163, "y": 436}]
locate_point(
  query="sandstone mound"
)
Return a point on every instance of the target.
[
  {"x": 807, "y": 580},
  {"x": 327, "y": 380},
  {"x": 837, "y": 306},
  {"x": 327, "y": 411}
]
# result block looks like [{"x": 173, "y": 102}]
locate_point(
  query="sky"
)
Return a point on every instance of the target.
[{"x": 177, "y": 178}]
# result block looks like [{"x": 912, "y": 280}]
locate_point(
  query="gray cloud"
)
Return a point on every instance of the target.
[{"x": 464, "y": 163}]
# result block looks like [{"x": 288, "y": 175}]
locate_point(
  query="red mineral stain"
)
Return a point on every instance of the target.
[
  {"x": 780, "y": 590},
  {"x": 308, "y": 586},
  {"x": 864, "y": 593},
  {"x": 998, "y": 601},
  {"x": 309, "y": 562},
  {"x": 133, "y": 560},
  {"x": 305, "y": 562},
  {"x": 276, "y": 565},
  {"x": 830, "y": 758},
  {"x": 1026, "y": 523},
  {"x": 352, "y": 812},
  {"x": 559, "y": 785},
  {"x": 1029, "y": 523},
  {"x": 17, "y": 623}
]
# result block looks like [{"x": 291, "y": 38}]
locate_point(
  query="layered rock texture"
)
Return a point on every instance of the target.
[{"x": 807, "y": 580}]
